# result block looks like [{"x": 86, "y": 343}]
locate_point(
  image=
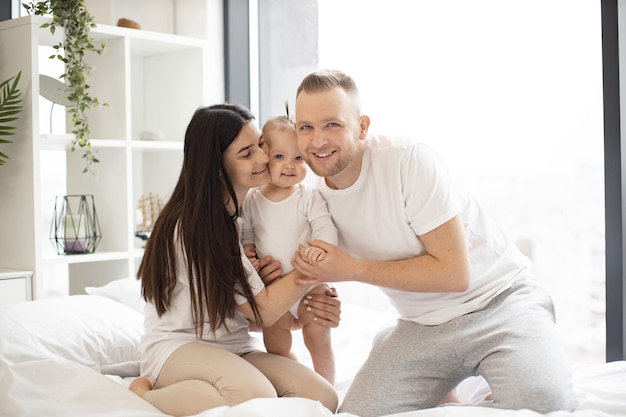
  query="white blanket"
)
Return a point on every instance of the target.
[{"x": 54, "y": 355}]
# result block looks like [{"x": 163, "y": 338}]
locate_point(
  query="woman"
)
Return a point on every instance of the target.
[{"x": 203, "y": 292}]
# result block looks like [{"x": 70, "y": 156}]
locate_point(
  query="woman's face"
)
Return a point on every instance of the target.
[{"x": 245, "y": 162}]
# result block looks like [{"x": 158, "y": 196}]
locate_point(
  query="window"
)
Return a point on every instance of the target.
[{"x": 509, "y": 93}]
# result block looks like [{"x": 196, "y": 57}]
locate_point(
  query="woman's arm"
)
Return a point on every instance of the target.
[
  {"x": 325, "y": 307},
  {"x": 275, "y": 300}
]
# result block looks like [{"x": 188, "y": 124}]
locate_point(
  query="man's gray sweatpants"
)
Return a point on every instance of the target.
[{"x": 513, "y": 343}]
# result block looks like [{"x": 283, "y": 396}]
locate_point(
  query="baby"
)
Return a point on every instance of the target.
[{"x": 278, "y": 216}]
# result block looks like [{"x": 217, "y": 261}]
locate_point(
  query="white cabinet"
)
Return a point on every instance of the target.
[
  {"x": 152, "y": 82},
  {"x": 15, "y": 286}
]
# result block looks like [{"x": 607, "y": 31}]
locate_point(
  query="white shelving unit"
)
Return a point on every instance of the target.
[{"x": 152, "y": 82}]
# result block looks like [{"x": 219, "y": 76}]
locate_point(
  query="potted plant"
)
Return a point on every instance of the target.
[
  {"x": 10, "y": 106},
  {"x": 73, "y": 17}
]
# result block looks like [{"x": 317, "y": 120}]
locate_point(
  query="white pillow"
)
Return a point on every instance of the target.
[
  {"x": 91, "y": 330},
  {"x": 126, "y": 291}
]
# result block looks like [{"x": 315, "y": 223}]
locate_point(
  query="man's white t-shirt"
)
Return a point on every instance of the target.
[
  {"x": 406, "y": 191},
  {"x": 175, "y": 328}
]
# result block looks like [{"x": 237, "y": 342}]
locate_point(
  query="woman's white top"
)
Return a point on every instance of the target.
[
  {"x": 175, "y": 328},
  {"x": 406, "y": 191}
]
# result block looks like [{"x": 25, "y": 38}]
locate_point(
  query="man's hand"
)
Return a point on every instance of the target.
[{"x": 334, "y": 267}]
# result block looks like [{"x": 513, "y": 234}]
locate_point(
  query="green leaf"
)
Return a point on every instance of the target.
[
  {"x": 2, "y": 158},
  {"x": 5, "y": 113},
  {"x": 9, "y": 106},
  {"x": 75, "y": 19}
]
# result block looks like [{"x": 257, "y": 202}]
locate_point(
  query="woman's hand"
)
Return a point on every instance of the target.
[
  {"x": 269, "y": 270},
  {"x": 325, "y": 307}
]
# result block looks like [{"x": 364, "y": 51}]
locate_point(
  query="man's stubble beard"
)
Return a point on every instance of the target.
[
  {"x": 336, "y": 169},
  {"x": 347, "y": 156}
]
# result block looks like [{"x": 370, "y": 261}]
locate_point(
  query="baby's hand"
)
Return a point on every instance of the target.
[
  {"x": 250, "y": 251},
  {"x": 312, "y": 254}
]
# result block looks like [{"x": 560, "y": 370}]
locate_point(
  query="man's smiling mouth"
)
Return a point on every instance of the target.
[{"x": 323, "y": 154}]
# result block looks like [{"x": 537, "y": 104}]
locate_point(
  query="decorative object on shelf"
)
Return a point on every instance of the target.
[
  {"x": 143, "y": 235},
  {"x": 10, "y": 107},
  {"x": 127, "y": 23},
  {"x": 54, "y": 90},
  {"x": 73, "y": 17},
  {"x": 149, "y": 208},
  {"x": 75, "y": 228}
]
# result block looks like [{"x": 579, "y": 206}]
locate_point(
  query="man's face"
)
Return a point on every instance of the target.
[{"x": 328, "y": 130}]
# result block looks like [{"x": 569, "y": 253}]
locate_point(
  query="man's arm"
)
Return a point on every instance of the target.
[{"x": 444, "y": 268}]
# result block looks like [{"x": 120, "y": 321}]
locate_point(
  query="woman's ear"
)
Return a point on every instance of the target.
[{"x": 364, "y": 124}]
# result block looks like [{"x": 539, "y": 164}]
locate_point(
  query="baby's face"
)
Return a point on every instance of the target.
[{"x": 286, "y": 165}]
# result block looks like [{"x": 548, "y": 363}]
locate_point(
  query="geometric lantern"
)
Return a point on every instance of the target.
[{"x": 75, "y": 228}]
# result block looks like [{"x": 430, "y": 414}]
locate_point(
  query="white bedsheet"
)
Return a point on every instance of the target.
[{"x": 57, "y": 386}]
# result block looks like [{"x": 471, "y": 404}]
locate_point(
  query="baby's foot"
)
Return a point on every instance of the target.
[
  {"x": 140, "y": 386},
  {"x": 450, "y": 398}
]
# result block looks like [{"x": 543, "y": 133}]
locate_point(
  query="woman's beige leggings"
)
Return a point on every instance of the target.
[{"x": 198, "y": 376}]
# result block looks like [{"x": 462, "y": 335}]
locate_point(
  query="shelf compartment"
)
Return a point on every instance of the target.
[
  {"x": 64, "y": 142},
  {"x": 86, "y": 258}
]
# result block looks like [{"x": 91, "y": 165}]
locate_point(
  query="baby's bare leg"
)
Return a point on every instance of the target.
[
  {"x": 318, "y": 340},
  {"x": 277, "y": 338}
]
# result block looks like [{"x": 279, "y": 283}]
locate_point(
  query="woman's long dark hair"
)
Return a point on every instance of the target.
[{"x": 206, "y": 230}]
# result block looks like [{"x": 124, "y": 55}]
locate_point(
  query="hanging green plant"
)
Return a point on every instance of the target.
[
  {"x": 73, "y": 17},
  {"x": 10, "y": 106}
]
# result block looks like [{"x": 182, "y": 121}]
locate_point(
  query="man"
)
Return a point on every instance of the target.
[{"x": 467, "y": 298}]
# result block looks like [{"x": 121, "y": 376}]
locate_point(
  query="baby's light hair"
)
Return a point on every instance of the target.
[{"x": 283, "y": 122}]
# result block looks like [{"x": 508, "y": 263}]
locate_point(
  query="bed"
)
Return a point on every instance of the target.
[{"x": 76, "y": 355}]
